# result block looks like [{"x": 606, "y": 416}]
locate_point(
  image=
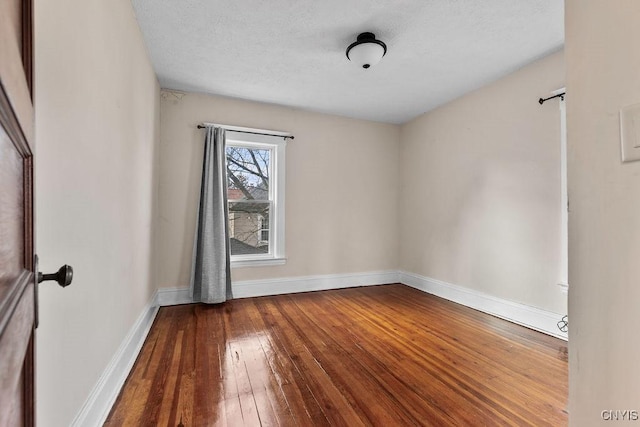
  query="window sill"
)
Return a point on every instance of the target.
[{"x": 258, "y": 262}]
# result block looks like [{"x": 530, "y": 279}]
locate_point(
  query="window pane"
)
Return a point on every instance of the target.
[
  {"x": 249, "y": 228},
  {"x": 248, "y": 173}
]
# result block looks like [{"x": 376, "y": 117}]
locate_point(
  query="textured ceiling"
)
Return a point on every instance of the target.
[{"x": 292, "y": 52}]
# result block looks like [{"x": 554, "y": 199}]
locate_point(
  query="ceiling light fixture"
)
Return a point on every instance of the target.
[{"x": 366, "y": 50}]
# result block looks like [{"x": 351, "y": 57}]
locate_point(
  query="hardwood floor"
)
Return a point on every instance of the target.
[{"x": 383, "y": 355}]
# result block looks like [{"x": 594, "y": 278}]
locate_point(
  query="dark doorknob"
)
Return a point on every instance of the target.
[{"x": 63, "y": 276}]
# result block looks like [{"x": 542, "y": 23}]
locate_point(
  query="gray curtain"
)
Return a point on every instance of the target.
[{"x": 211, "y": 269}]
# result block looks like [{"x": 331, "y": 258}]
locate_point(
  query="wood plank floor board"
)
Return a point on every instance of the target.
[
  {"x": 454, "y": 342},
  {"x": 499, "y": 377},
  {"x": 318, "y": 384},
  {"x": 327, "y": 355},
  {"x": 356, "y": 345},
  {"x": 374, "y": 356},
  {"x": 469, "y": 357},
  {"x": 408, "y": 373},
  {"x": 350, "y": 348},
  {"x": 286, "y": 375},
  {"x": 414, "y": 363}
]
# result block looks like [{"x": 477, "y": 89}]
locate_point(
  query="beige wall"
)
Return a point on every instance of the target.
[
  {"x": 480, "y": 204},
  {"x": 341, "y": 188},
  {"x": 603, "y": 63},
  {"x": 97, "y": 113}
]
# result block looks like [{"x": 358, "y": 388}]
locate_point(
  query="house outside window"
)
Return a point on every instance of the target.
[{"x": 255, "y": 192}]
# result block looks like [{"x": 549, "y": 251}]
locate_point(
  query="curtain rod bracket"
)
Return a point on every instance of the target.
[{"x": 560, "y": 95}]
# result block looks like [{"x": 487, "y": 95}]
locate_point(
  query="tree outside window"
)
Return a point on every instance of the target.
[{"x": 250, "y": 198}]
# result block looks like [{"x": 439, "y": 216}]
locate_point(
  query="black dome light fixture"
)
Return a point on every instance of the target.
[{"x": 366, "y": 50}]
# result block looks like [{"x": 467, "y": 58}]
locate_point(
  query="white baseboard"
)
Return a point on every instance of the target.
[
  {"x": 288, "y": 285},
  {"x": 525, "y": 315},
  {"x": 173, "y": 296},
  {"x": 97, "y": 406},
  {"x": 258, "y": 288}
]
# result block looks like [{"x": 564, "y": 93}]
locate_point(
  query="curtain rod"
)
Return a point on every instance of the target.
[
  {"x": 247, "y": 130},
  {"x": 560, "y": 95}
]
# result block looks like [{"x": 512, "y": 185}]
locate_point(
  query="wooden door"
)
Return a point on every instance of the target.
[{"x": 17, "y": 287}]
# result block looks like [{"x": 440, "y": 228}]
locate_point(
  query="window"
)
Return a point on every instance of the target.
[
  {"x": 263, "y": 232},
  {"x": 255, "y": 192}
]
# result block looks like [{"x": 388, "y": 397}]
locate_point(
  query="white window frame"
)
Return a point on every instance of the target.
[
  {"x": 563, "y": 281},
  {"x": 277, "y": 145}
]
